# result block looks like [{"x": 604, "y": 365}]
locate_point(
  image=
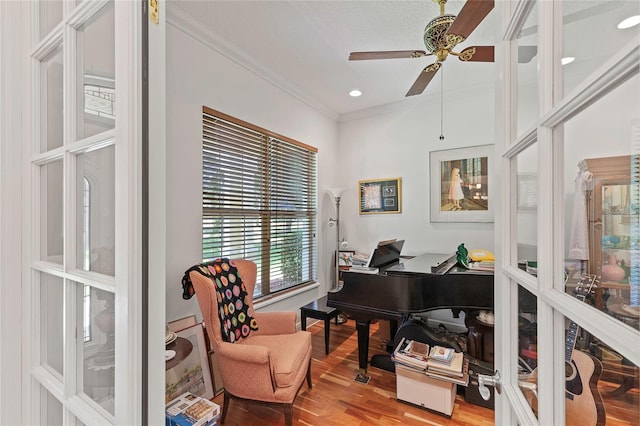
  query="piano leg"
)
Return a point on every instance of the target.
[
  {"x": 393, "y": 327},
  {"x": 362, "y": 328}
]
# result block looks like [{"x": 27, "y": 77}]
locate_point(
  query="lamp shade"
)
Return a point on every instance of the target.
[{"x": 336, "y": 192}]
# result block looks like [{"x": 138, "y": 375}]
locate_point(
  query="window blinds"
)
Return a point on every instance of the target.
[{"x": 259, "y": 201}]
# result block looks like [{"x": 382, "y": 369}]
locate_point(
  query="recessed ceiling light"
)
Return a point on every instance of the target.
[
  {"x": 567, "y": 60},
  {"x": 355, "y": 93},
  {"x": 629, "y": 22}
]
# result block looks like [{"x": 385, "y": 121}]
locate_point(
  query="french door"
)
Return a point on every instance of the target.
[
  {"x": 83, "y": 202},
  {"x": 555, "y": 116}
]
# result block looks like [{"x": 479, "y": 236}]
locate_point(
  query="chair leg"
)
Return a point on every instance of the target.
[
  {"x": 288, "y": 414},
  {"x": 309, "y": 375},
  {"x": 225, "y": 406}
]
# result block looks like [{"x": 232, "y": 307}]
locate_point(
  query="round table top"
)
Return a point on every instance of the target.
[{"x": 183, "y": 348}]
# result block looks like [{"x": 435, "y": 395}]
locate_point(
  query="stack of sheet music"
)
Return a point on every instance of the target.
[
  {"x": 436, "y": 362},
  {"x": 447, "y": 364}
]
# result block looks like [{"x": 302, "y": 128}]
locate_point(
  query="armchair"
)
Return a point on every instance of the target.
[{"x": 268, "y": 366}]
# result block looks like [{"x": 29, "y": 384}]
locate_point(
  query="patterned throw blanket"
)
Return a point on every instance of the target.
[{"x": 236, "y": 322}]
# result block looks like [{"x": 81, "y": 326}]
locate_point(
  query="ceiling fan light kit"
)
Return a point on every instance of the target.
[{"x": 441, "y": 35}]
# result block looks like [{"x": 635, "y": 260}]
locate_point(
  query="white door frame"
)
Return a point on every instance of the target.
[
  {"x": 16, "y": 129},
  {"x": 553, "y": 304},
  {"x": 156, "y": 298},
  {"x": 12, "y": 89}
]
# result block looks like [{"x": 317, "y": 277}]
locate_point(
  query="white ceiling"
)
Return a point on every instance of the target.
[{"x": 303, "y": 46}]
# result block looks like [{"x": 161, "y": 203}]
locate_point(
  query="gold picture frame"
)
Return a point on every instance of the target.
[{"x": 380, "y": 196}]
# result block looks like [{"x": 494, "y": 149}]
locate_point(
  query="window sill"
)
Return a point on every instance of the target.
[{"x": 286, "y": 294}]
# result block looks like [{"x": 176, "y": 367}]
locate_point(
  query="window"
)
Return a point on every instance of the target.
[{"x": 259, "y": 201}]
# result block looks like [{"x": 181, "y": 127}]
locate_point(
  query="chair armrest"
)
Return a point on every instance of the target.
[
  {"x": 253, "y": 361},
  {"x": 243, "y": 353},
  {"x": 275, "y": 323}
]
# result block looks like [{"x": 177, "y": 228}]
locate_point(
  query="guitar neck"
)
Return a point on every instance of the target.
[
  {"x": 572, "y": 334},
  {"x": 572, "y": 331}
]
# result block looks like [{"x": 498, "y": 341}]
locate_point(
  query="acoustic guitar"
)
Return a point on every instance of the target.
[{"x": 584, "y": 406}]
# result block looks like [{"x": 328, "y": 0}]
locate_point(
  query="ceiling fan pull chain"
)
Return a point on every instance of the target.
[{"x": 441, "y": 105}]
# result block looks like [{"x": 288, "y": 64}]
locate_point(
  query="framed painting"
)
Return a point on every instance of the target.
[
  {"x": 461, "y": 185},
  {"x": 346, "y": 258},
  {"x": 380, "y": 196},
  {"x": 192, "y": 373}
]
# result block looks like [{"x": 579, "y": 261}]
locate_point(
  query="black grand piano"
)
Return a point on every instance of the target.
[{"x": 423, "y": 283}]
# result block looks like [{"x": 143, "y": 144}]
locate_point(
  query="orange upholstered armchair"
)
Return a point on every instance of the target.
[{"x": 267, "y": 366}]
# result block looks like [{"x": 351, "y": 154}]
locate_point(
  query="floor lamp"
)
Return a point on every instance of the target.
[{"x": 337, "y": 195}]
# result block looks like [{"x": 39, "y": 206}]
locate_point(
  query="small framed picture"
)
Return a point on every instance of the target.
[
  {"x": 380, "y": 196},
  {"x": 346, "y": 258}
]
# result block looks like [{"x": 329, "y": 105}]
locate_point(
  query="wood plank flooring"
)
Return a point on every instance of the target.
[{"x": 336, "y": 399}]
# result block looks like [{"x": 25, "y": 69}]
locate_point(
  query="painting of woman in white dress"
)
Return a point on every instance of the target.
[
  {"x": 459, "y": 188},
  {"x": 464, "y": 184},
  {"x": 455, "y": 189}
]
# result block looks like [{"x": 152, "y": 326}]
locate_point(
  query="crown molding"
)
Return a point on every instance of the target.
[{"x": 184, "y": 22}]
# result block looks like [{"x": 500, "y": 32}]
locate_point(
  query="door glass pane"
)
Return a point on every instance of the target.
[
  {"x": 51, "y": 239},
  {"x": 528, "y": 346},
  {"x": 602, "y": 218},
  {"x": 525, "y": 205},
  {"x": 96, "y": 339},
  {"x": 527, "y": 90},
  {"x": 591, "y": 33},
  {"x": 50, "y": 15},
  {"x": 51, "y": 321},
  {"x": 96, "y": 48},
  {"x": 601, "y": 385},
  {"x": 95, "y": 211},
  {"x": 51, "y": 102},
  {"x": 51, "y": 412}
]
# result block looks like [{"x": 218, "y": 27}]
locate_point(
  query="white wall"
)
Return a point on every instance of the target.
[
  {"x": 198, "y": 75},
  {"x": 391, "y": 141},
  {"x": 395, "y": 142}
]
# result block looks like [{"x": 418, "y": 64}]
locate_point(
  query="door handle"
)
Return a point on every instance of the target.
[{"x": 485, "y": 380}]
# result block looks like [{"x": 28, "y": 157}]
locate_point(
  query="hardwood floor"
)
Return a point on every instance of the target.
[{"x": 336, "y": 399}]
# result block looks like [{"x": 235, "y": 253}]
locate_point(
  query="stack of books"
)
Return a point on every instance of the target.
[
  {"x": 411, "y": 353},
  {"x": 482, "y": 266},
  {"x": 191, "y": 410},
  {"x": 447, "y": 364}
]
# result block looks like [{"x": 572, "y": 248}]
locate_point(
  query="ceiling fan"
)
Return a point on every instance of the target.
[{"x": 441, "y": 35}]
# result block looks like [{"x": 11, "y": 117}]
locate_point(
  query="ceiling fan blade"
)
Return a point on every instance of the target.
[
  {"x": 389, "y": 54},
  {"x": 423, "y": 79},
  {"x": 486, "y": 54},
  {"x": 472, "y": 13},
  {"x": 526, "y": 53},
  {"x": 477, "y": 54}
]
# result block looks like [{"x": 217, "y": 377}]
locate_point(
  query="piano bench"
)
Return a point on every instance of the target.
[{"x": 318, "y": 309}]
